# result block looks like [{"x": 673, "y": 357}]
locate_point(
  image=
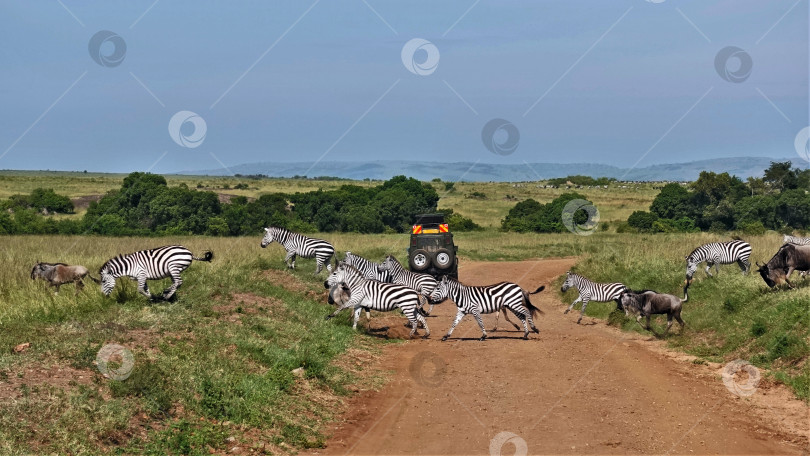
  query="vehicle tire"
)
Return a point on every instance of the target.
[
  {"x": 443, "y": 259},
  {"x": 419, "y": 260}
]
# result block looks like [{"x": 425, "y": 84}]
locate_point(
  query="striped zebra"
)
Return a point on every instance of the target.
[
  {"x": 591, "y": 291},
  {"x": 487, "y": 299},
  {"x": 300, "y": 245},
  {"x": 423, "y": 283},
  {"x": 375, "y": 295},
  {"x": 158, "y": 263},
  {"x": 717, "y": 253},
  {"x": 795, "y": 240},
  {"x": 369, "y": 269}
]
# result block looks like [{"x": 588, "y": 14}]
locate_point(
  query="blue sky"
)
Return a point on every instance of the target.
[{"x": 624, "y": 82}]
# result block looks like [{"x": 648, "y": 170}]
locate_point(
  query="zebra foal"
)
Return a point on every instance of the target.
[
  {"x": 717, "y": 253},
  {"x": 300, "y": 245},
  {"x": 487, "y": 299},
  {"x": 158, "y": 263},
  {"x": 591, "y": 291},
  {"x": 365, "y": 293}
]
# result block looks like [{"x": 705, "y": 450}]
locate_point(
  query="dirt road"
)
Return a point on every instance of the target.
[{"x": 571, "y": 389}]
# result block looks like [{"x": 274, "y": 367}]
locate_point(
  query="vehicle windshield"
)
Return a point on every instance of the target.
[{"x": 429, "y": 241}]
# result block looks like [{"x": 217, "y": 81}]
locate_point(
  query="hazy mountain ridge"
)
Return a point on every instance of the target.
[{"x": 742, "y": 167}]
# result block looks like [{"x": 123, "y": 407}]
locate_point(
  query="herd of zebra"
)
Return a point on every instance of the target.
[{"x": 360, "y": 284}]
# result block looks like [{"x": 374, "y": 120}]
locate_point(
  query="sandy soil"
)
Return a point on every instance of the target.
[{"x": 571, "y": 389}]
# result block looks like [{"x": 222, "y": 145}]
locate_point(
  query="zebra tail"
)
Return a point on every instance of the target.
[
  {"x": 207, "y": 256},
  {"x": 542, "y": 287},
  {"x": 94, "y": 279},
  {"x": 532, "y": 308}
]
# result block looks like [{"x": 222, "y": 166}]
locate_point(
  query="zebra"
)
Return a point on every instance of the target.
[
  {"x": 487, "y": 299},
  {"x": 591, "y": 291},
  {"x": 376, "y": 295},
  {"x": 795, "y": 240},
  {"x": 157, "y": 263},
  {"x": 423, "y": 283},
  {"x": 717, "y": 253},
  {"x": 298, "y": 244},
  {"x": 367, "y": 268}
]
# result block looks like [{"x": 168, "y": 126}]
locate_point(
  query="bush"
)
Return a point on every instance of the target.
[
  {"x": 529, "y": 215},
  {"x": 642, "y": 221}
]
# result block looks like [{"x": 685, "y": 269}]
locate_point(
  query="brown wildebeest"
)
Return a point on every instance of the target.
[
  {"x": 788, "y": 258},
  {"x": 647, "y": 303},
  {"x": 58, "y": 274}
]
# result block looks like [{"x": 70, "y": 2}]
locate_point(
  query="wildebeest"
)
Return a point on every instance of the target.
[
  {"x": 647, "y": 303},
  {"x": 788, "y": 258},
  {"x": 58, "y": 274}
]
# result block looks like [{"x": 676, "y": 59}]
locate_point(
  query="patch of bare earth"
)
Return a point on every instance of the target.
[
  {"x": 292, "y": 283},
  {"x": 32, "y": 377}
]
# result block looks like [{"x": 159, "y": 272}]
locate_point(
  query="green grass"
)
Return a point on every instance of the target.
[
  {"x": 729, "y": 316},
  {"x": 199, "y": 362}
]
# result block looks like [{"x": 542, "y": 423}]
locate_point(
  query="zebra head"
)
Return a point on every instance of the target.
[
  {"x": 442, "y": 290},
  {"x": 569, "y": 281},
  {"x": 107, "y": 280},
  {"x": 337, "y": 276},
  {"x": 387, "y": 264},
  {"x": 691, "y": 267},
  {"x": 268, "y": 237}
]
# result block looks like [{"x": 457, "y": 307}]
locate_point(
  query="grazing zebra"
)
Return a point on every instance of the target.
[
  {"x": 795, "y": 240},
  {"x": 298, "y": 244},
  {"x": 379, "y": 296},
  {"x": 487, "y": 299},
  {"x": 423, "y": 283},
  {"x": 718, "y": 253},
  {"x": 159, "y": 263},
  {"x": 591, "y": 291}
]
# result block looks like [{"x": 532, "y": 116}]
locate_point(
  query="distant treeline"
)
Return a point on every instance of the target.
[
  {"x": 145, "y": 205},
  {"x": 581, "y": 180},
  {"x": 718, "y": 202}
]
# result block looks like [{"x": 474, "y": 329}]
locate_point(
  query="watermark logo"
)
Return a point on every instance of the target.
[
  {"x": 656, "y": 1},
  {"x": 500, "y": 136},
  {"x": 802, "y": 144},
  {"x": 420, "y": 56},
  {"x": 115, "y": 361},
  {"x": 107, "y": 48},
  {"x": 428, "y": 369},
  {"x": 189, "y": 139},
  {"x": 733, "y": 64},
  {"x": 741, "y": 378},
  {"x": 502, "y": 438},
  {"x": 569, "y": 217}
]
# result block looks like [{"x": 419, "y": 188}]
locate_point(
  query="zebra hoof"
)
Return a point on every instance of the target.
[
  {"x": 426, "y": 336},
  {"x": 328, "y": 317},
  {"x": 483, "y": 338},
  {"x": 536, "y": 331},
  {"x": 525, "y": 337},
  {"x": 566, "y": 311},
  {"x": 579, "y": 320},
  {"x": 444, "y": 338}
]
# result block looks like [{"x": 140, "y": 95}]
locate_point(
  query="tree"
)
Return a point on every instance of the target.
[
  {"x": 779, "y": 176},
  {"x": 672, "y": 202}
]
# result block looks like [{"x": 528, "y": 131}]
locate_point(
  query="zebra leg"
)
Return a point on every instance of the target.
[
  {"x": 318, "y": 266},
  {"x": 176, "y": 282},
  {"x": 287, "y": 258},
  {"x": 582, "y": 312},
  {"x": 357, "y": 311},
  {"x": 477, "y": 314},
  {"x": 579, "y": 298},
  {"x": 353, "y": 302},
  {"x": 421, "y": 319},
  {"x": 368, "y": 314},
  {"x": 708, "y": 269},
  {"x": 459, "y": 315},
  {"x": 142, "y": 287},
  {"x": 745, "y": 265}
]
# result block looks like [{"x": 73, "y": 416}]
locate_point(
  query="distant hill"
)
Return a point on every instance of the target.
[{"x": 742, "y": 167}]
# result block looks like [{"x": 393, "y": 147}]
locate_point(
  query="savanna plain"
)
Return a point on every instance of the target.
[{"x": 243, "y": 359}]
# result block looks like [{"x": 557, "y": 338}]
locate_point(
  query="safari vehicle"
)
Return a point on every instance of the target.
[{"x": 431, "y": 250}]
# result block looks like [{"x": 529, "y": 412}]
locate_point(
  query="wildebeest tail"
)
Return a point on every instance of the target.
[
  {"x": 94, "y": 279},
  {"x": 207, "y": 256}
]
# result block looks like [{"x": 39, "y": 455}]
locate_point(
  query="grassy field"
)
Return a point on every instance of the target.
[{"x": 218, "y": 363}]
